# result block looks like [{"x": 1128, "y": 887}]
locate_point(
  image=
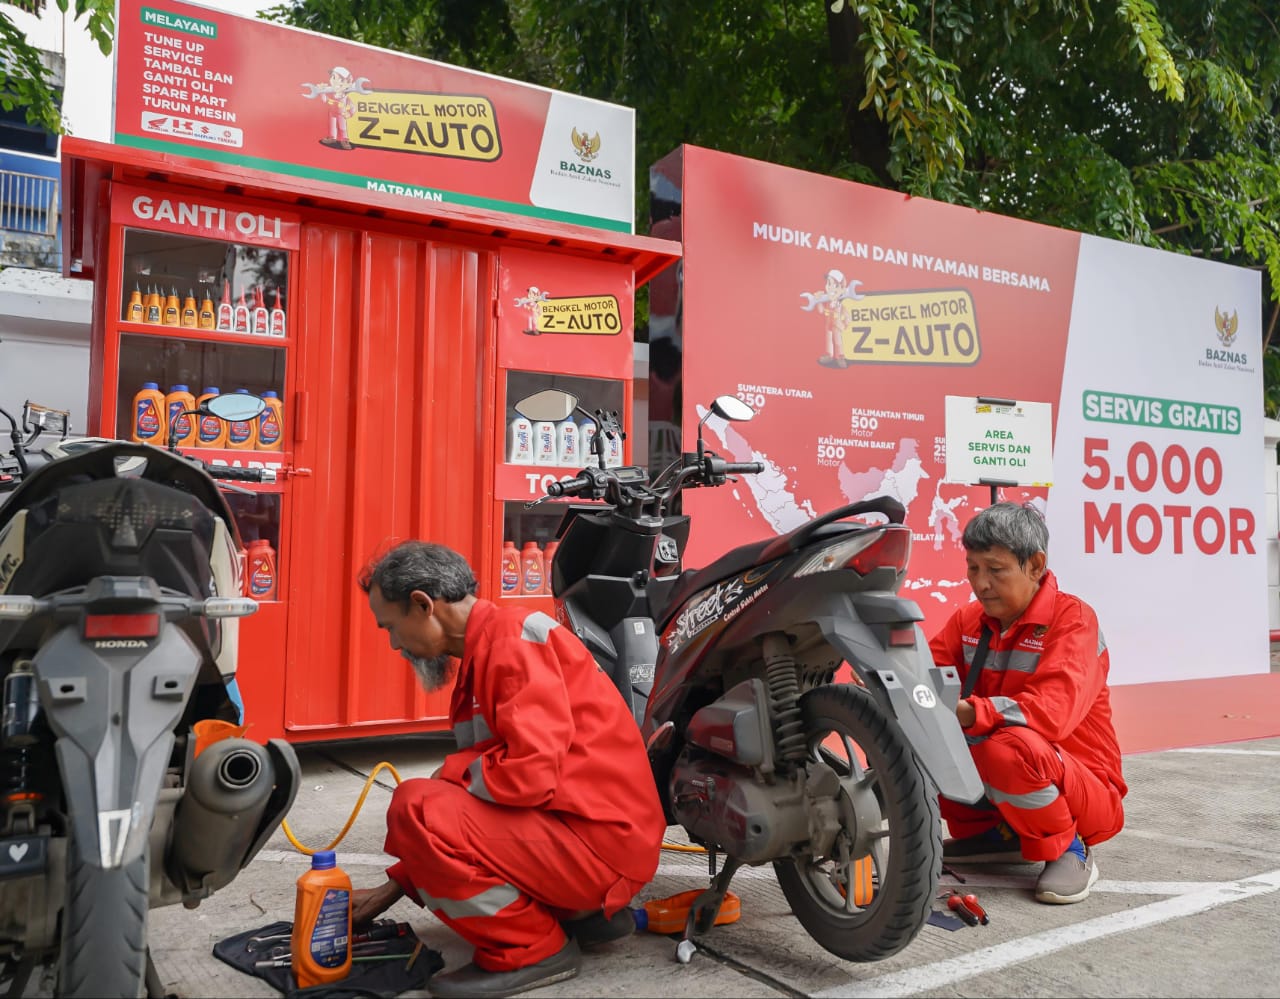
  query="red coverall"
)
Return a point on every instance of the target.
[
  {"x": 1042, "y": 740},
  {"x": 547, "y": 806}
]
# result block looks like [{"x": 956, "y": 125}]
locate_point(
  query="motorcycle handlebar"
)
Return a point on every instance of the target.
[
  {"x": 240, "y": 474},
  {"x": 743, "y": 467},
  {"x": 569, "y": 487}
]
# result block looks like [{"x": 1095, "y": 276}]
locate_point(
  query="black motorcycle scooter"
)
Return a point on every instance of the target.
[
  {"x": 120, "y": 593},
  {"x": 730, "y": 671}
]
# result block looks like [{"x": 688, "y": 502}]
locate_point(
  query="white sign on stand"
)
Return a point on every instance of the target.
[{"x": 999, "y": 442}]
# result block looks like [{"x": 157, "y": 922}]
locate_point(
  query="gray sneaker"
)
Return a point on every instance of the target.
[
  {"x": 997, "y": 845},
  {"x": 1067, "y": 879},
  {"x": 471, "y": 982}
]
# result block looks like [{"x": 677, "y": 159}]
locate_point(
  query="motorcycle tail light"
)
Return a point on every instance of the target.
[
  {"x": 888, "y": 547},
  {"x": 903, "y": 636},
  {"x": 121, "y": 625},
  {"x": 891, "y": 550}
]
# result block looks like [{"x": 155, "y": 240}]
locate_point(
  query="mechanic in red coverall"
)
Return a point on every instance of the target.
[
  {"x": 1039, "y": 721},
  {"x": 532, "y": 838}
]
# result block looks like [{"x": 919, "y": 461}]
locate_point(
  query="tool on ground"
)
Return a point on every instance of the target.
[
  {"x": 382, "y": 930},
  {"x": 966, "y": 907},
  {"x": 947, "y": 870},
  {"x": 971, "y": 903},
  {"x": 958, "y": 907}
]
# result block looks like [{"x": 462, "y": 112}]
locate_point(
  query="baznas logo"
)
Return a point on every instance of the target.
[
  {"x": 587, "y": 147},
  {"x": 1227, "y": 326}
]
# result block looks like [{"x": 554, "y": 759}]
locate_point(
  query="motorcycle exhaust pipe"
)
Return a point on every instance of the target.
[{"x": 220, "y": 810}]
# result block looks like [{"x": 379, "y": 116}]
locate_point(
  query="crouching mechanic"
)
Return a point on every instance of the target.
[
  {"x": 532, "y": 838},
  {"x": 1039, "y": 720}
]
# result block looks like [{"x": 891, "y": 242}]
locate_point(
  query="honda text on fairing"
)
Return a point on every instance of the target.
[
  {"x": 731, "y": 673},
  {"x": 120, "y": 593}
]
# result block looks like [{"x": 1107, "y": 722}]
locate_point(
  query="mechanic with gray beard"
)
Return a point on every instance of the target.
[{"x": 533, "y": 837}]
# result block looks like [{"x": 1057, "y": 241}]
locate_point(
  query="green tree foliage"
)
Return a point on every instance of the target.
[
  {"x": 25, "y": 80},
  {"x": 1152, "y": 121}
]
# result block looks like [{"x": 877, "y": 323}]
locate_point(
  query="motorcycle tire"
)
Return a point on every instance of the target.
[
  {"x": 104, "y": 929},
  {"x": 844, "y": 727}
]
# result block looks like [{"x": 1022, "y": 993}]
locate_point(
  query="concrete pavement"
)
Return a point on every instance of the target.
[{"x": 1188, "y": 902}]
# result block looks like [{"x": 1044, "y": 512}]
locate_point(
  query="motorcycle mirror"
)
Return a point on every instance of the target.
[
  {"x": 236, "y": 407},
  {"x": 729, "y": 407},
  {"x": 549, "y": 405}
]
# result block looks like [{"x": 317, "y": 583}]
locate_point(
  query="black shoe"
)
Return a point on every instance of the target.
[
  {"x": 998, "y": 845},
  {"x": 473, "y": 981},
  {"x": 594, "y": 930}
]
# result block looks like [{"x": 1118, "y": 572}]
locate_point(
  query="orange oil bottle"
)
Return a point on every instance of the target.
[
  {"x": 509, "y": 572},
  {"x": 149, "y": 415},
  {"x": 320, "y": 945},
  {"x": 548, "y": 555},
  {"x": 261, "y": 577},
  {"x": 135, "y": 311},
  {"x": 271, "y": 424},
  {"x": 531, "y": 569},
  {"x": 211, "y": 432},
  {"x": 189, "y": 314},
  {"x": 242, "y": 435},
  {"x": 207, "y": 319},
  {"x": 184, "y": 428},
  {"x": 153, "y": 305},
  {"x": 172, "y": 309}
]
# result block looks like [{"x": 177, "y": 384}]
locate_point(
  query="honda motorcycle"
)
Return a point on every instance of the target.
[
  {"x": 120, "y": 594},
  {"x": 731, "y": 671}
]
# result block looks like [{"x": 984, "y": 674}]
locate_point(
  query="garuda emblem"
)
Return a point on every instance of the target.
[{"x": 586, "y": 146}]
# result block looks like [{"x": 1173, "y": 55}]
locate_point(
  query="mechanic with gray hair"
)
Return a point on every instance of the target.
[
  {"x": 537, "y": 831},
  {"x": 1037, "y": 716}
]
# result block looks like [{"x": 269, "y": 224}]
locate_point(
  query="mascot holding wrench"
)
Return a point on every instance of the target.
[{"x": 336, "y": 95}]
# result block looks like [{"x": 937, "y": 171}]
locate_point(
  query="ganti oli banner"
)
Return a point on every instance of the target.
[
  {"x": 237, "y": 90},
  {"x": 846, "y": 315}
]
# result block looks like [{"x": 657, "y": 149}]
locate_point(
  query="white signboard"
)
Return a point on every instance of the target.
[{"x": 1002, "y": 442}]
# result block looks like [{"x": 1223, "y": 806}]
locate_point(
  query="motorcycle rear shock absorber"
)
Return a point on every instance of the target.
[
  {"x": 18, "y": 780},
  {"x": 784, "y": 697}
]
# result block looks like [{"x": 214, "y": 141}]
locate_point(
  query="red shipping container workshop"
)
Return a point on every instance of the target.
[{"x": 407, "y": 319}]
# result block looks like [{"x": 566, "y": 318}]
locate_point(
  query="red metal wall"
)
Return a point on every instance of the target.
[{"x": 391, "y": 360}]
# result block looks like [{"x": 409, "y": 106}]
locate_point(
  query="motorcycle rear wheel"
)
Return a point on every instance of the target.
[
  {"x": 104, "y": 929},
  {"x": 846, "y": 729}
]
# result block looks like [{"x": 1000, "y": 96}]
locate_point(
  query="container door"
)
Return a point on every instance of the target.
[{"x": 394, "y": 341}]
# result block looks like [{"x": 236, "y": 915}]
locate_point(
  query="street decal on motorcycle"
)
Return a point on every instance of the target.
[
  {"x": 923, "y": 696},
  {"x": 719, "y": 604}
]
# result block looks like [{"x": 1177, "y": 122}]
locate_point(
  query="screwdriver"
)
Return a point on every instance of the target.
[
  {"x": 971, "y": 903},
  {"x": 956, "y": 905},
  {"x": 381, "y": 931}
]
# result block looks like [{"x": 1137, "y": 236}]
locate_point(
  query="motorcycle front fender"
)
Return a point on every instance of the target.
[
  {"x": 920, "y": 697},
  {"x": 113, "y": 710}
]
